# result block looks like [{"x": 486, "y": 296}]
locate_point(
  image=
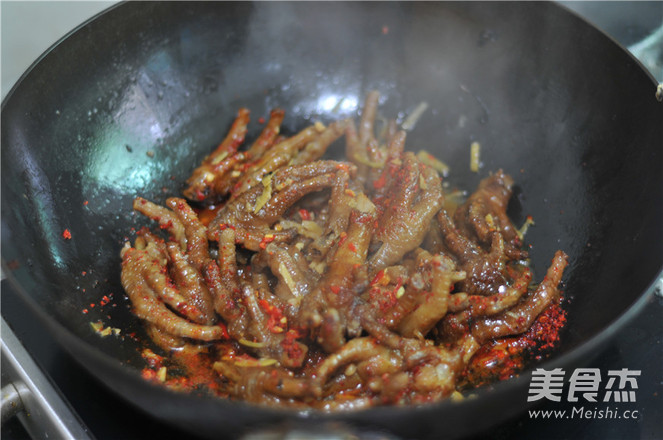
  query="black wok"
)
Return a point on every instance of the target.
[{"x": 129, "y": 103}]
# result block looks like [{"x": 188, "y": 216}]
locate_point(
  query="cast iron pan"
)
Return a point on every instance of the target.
[{"x": 129, "y": 103}]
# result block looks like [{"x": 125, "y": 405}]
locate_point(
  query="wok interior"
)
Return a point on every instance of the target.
[{"x": 130, "y": 103}]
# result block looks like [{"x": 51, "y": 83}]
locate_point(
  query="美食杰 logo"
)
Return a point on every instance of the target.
[
  {"x": 585, "y": 382},
  {"x": 585, "y": 386}
]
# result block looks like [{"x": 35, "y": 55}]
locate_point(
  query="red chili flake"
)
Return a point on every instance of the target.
[
  {"x": 389, "y": 300},
  {"x": 92, "y": 305},
  {"x": 261, "y": 120},
  {"x": 304, "y": 214},
  {"x": 265, "y": 240},
  {"x": 85, "y": 311},
  {"x": 275, "y": 316},
  {"x": 352, "y": 247},
  {"x": 224, "y": 329},
  {"x": 504, "y": 357},
  {"x": 149, "y": 374},
  {"x": 378, "y": 276},
  {"x": 264, "y": 304},
  {"x": 362, "y": 218},
  {"x": 335, "y": 289},
  {"x": 381, "y": 182},
  {"x": 289, "y": 344},
  {"x": 84, "y": 273},
  {"x": 343, "y": 237},
  {"x": 85, "y": 203},
  {"x": 167, "y": 225},
  {"x": 544, "y": 332},
  {"x": 66, "y": 234}
]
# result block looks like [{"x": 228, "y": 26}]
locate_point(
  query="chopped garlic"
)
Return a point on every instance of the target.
[
  {"x": 264, "y": 362},
  {"x": 456, "y": 396},
  {"x": 251, "y": 343},
  {"x": 219, "y": 158},
  {"x": 247, "y": 363},
  {"x": 161, "y": 374},
  {"x": 400, "y": 292},
  {"x": 102, "y": 331},
  {"x": 294, "y": 302},
  {"x": 475, "y": 150},
  {"x": 428, "y": 159},
  {"x": 313, "y": 228},
  {"x": 149, "y": 354},
  {"x": 318, "y": 266},
  {"x": 265, "y": 195},
  {"x": 413, "y": 117},
  {"x": 363, "y": 204},
  {"x": 529, "y": 221},
  {"x": 287, "y": 278},
  {"x": 307, "y": 228},
  {"x": 362, "y": 159},
  {"x": 209, "y": 177},
  {"x": 422, "y": 182},
  {"x": 490, "y": 221}
]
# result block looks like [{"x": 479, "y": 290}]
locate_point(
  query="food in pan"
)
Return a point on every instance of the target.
[{"x": 288, "y": 278}]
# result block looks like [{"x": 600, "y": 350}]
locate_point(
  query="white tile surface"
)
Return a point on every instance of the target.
[{"x": 28, "y": 28}]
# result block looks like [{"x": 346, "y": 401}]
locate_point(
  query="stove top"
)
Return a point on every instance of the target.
[{"x": 96, "y": 412}]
